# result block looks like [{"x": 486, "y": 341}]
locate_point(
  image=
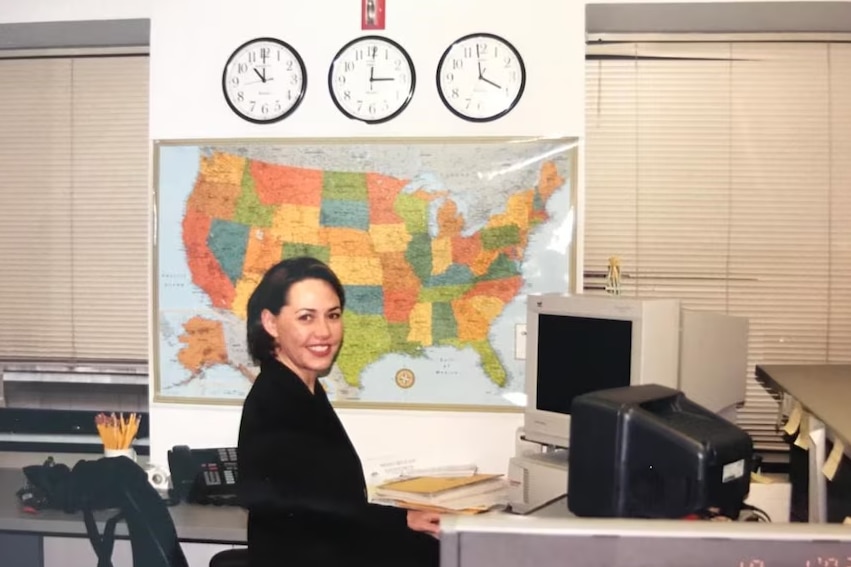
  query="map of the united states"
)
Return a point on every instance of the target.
[{"x": 416, "y": 275}]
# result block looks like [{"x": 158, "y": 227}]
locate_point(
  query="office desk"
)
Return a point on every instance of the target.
[
  {"x": 220, "y": 525},
  {"x": 194, "y": 523},
  {"x": 824, "y": 391},
  {"x": 52, "y": 538}
]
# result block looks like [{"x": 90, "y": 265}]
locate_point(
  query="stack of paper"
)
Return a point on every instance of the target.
[{"x": 459, "y": 494}]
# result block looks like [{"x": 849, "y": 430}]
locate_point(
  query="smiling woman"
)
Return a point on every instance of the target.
[
  {"x": 308, "y": 330},
  {"x": 299, "y": 474}
]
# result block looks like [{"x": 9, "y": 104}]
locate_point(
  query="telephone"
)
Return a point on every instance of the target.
[{"x": 203, "y": 476}]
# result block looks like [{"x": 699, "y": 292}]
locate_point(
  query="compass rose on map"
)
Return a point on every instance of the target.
[{"x": 405, "y": 378}]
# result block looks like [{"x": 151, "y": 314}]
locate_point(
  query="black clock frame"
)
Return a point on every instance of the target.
[
  {"x": 301, "y": 93},
  {"x": 514, "y": 102},
  {"x": 411, "y": 89}
]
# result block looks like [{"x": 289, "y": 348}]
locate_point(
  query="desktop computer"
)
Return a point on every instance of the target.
[
  {"x": 576, "y": 344},
  {"x": 650, "y": 452},
  {"x": 536, "y": 479}
]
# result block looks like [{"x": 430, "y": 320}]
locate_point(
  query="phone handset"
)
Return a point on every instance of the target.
[{"x": 203, "y": 476}]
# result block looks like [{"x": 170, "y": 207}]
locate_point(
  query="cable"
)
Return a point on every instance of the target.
[{"x": 759, "y": 513}]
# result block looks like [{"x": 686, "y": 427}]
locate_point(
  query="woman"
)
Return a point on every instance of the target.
[{"x": 299, "y": 475}]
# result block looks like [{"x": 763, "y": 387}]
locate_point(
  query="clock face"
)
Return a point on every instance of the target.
[
  {"x": 264, "y": 80},
  {"x": 481, "y": 77},
  {"x": 372, "y": 79}
]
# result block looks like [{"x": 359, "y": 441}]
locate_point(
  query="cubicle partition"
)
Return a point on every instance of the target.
[{"x": 502, "y": 541}]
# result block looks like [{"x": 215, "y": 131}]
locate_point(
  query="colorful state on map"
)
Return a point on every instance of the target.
[{"x": 407, "y": 288}]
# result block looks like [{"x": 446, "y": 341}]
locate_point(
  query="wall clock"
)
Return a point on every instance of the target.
[
  {"x": 264, "y": 80},
  {"x": 481, "y": 77},
  {"x": 372, "y": 79}
]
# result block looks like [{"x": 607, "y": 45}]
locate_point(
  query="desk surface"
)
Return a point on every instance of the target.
[
  {"x": 209, "y": 524},
  {"x": 823, "y": 389},
  {"x": 195, "y": 523}
]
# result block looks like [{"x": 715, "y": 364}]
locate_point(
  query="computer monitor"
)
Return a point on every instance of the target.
[{"x": 577, "y": 344}]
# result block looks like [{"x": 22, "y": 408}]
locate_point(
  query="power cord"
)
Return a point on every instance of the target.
[{"x": 756, "y": 514}]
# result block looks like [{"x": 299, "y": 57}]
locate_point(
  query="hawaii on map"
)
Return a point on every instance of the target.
[{"x": 436, "y": 243}]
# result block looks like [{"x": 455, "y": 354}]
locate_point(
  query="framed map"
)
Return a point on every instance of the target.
[{"x": 437, "y": 243}]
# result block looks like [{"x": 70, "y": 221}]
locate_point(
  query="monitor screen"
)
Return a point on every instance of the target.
[{"x": 577, "y": 355}]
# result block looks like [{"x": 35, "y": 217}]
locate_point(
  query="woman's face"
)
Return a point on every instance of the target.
[{"x": 309, "y": 328}]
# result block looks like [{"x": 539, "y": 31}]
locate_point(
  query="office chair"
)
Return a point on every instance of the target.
[
  {"x": 120, "y": 483},
  {"x": 230, "y": 558}
]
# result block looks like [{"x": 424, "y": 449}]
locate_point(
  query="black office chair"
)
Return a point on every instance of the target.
[
  {"x": 118, "y": 488},
  {"x": 120, "y": 483},
  {"x": 237, "y": 557}
]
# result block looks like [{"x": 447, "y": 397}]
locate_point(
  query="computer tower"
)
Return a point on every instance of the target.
[{"x": 649, "y": 452}]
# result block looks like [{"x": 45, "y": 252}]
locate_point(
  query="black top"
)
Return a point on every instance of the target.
[{"x": 303, "y": 484}]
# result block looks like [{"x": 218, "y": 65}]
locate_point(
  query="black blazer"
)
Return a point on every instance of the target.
[{"x": 303, "y": 485}]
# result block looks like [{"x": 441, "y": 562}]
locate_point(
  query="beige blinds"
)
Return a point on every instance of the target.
[
  {"x": 73, "y": 208},
  {"x": 720, "y": 173}
]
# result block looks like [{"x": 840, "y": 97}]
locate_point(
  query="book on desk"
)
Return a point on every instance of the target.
[{"x": 463, "y": 494}]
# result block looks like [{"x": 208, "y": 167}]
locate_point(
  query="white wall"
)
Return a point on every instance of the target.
[
  {"x": 186, "y": 67},
  {"x": 190, "y": 42}
]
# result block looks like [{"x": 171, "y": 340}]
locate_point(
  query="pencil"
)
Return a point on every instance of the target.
[{"x": 116, "y": 431}]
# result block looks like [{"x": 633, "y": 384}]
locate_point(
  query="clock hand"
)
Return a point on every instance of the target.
[
  {"x": 263, "y": 76},
  {"x": 488, "y": 81},
  {"x": 478, "y": 61},
  {"x": 374, "y": 79},
  {"x": 260, "y": 81}
]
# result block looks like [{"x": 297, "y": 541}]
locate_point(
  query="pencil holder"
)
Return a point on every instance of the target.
[{"x": 129, "y": 453}]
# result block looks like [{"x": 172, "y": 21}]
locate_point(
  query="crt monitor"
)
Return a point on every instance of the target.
[
  {"x": 650, "y": 452},
  {"x": 577, "y": 344}
]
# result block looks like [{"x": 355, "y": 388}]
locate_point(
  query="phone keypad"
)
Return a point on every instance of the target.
[
  {"x": 227, "y": 454},
  {"x": 212, "y": 477}
]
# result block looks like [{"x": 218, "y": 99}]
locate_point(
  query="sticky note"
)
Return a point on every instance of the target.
[
  {"x": 757, "y": 478},
  {"x": 794, "y": 420},
  {"x": 831, "y": 464},
  {"x": 803, "y": 440}
]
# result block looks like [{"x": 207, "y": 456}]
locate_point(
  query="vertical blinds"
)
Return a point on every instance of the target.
[
  {"x": 720, "y": 173},
  {"x": 74, "y": 208}
]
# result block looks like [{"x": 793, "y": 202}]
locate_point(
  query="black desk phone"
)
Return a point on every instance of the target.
[{"x": 203, "y": 476}]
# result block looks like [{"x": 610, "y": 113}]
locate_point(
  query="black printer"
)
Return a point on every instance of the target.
[{"x": 649, "y": 452}]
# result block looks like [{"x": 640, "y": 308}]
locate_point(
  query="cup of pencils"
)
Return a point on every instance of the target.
[{"x": 117, "y": 434}]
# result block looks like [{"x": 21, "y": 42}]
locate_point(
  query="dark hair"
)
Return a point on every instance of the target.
[{"x": 271, "y": 293}]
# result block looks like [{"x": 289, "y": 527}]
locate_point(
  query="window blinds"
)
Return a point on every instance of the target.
[
  {"x": 74, "y": 208},
  {"x": 720, "y": 173}
]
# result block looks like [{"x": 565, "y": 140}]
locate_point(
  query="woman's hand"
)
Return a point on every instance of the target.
[{"x": 427, "y": 522}]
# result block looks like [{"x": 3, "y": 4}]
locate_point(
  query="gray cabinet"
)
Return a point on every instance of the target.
[{"x": 20, "y": 550}]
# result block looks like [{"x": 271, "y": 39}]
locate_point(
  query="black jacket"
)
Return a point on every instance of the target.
[{"x": 302, "y": 482}]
